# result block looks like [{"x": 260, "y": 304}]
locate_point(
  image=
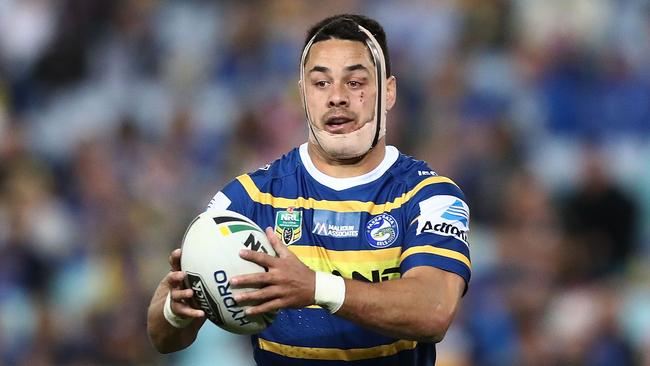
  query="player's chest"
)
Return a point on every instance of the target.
[
  {"x": 363, "y": 245},
  {"x": 334, "y": 228}
]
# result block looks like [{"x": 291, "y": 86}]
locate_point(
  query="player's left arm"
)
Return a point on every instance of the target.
[{"x": 419, "y": 306}]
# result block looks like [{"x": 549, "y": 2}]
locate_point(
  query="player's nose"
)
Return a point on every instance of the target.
[{"x": 338, "y": 97}]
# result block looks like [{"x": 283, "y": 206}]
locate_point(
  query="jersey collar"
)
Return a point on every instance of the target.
[{"x": 339, "y": 184}]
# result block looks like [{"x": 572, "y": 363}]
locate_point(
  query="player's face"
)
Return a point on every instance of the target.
[{"x": 340, "y": 85}]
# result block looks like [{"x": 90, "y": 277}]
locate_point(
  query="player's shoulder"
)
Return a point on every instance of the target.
[
  {"x": 246, "y": 186},
  {"x": 417, "y": 175},
  {"x": 412, "y": 169},
  {"x": 282, "y": 168}
]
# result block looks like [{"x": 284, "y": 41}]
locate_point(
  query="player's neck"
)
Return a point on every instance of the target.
[{"x": 350, "y": 167}]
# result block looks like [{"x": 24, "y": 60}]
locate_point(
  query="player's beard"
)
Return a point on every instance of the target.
[{"x": 346, "y": 146}]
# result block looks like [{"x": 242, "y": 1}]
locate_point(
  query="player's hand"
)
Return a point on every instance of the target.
[
  {"x": 180, "y": 295},
  {"x": 288, "y": 283}
]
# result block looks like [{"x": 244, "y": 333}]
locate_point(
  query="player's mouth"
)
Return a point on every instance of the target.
[{"x": 339, "y": 124}]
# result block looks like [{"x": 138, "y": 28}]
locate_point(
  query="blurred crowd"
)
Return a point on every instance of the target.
[{"x": 120, "y": 119}]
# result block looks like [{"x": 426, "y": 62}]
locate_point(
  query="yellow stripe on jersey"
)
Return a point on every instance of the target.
[
  {"x": 374, "y": 255},
  {"x": 336, "y": 354},
  {"x": 363, "y": 262},
  {"x": 339, "y": 206},
  {"x": 437, "y": 251}
]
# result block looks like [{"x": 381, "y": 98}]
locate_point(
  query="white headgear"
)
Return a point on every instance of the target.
[{"x": 359, "y": 142}]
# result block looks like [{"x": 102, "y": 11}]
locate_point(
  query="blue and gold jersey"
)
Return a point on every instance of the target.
[{"x": 371, "y": 228}]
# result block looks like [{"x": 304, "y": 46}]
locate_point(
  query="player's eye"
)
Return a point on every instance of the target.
[
  {"x": 321, "y": 83},
  {"x": 354, "y": 84}
]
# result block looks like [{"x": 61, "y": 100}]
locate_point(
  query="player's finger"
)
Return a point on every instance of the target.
[
  {"x": 184, "y": 294},
  {"x": 263, "y": 294},
  {"x": 260, "y": 258},
  {"x": 265, "y": 307},
  {"x": 280, "y": 249},
  {"x": 186, "y": 311},
  {"x": 175, "y": 279},
  {"x": 175, "y": 259},
  {"x": 251, "y": 280}
]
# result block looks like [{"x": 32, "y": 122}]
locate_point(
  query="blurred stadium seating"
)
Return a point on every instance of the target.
[{"x": 120, "y": 119}]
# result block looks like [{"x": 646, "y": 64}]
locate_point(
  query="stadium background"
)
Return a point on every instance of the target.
[{"x": 120, "y": 119}]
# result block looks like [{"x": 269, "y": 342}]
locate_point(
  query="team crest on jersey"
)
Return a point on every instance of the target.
[
  {"x": 382, "y": 231},
  {"x": 288, "y": 225}
]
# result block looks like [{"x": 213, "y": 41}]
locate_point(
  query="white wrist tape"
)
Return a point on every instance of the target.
[
  {"x": 330, "y": 291},
  {"x": 173, "y": 319}
]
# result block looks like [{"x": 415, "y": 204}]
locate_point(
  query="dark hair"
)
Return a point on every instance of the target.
[{"x": 345, "y": 26}]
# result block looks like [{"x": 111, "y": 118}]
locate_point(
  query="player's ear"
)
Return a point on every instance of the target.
[{"x": 391, "y": 92}]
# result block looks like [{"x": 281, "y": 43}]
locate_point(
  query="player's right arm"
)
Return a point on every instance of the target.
[{"x": 164, "y": 336}]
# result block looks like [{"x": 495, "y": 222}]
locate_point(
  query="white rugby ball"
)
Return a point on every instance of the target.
[{"x": 210, "y": 257}]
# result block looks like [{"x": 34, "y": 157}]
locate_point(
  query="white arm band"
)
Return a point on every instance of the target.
[
  {"x": 330, "y": 291},
  {"x": 173, "y": 319}
]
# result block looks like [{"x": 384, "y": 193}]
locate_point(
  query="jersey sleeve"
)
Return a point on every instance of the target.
[
  {"x": 437, "y": 233},
  {"x": 232, "y": 197}
]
